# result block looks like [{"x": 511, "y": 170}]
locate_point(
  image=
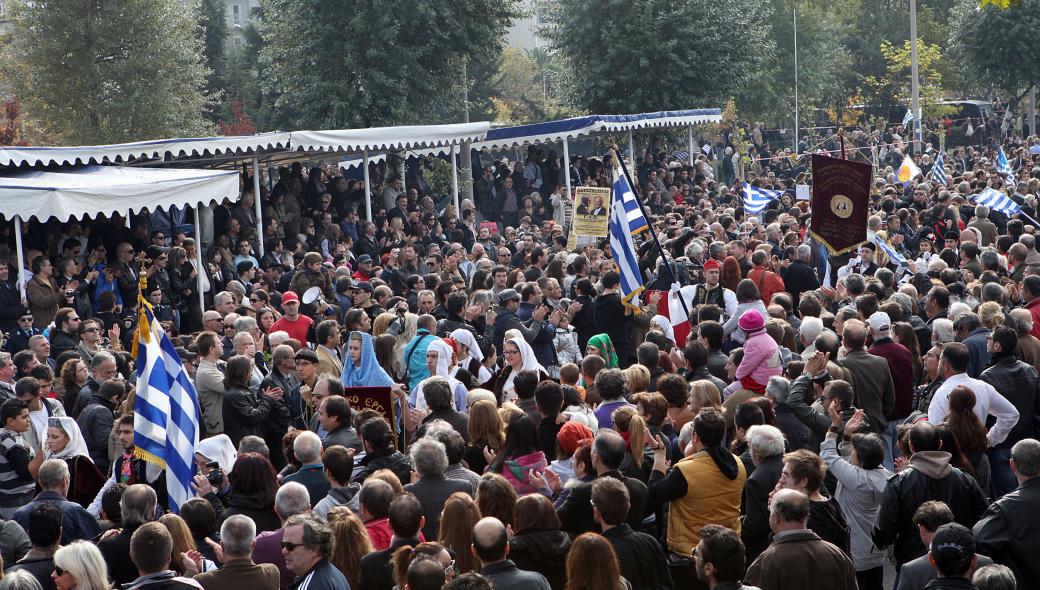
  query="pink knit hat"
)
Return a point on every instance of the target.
[{"x": 751, "y": 320}]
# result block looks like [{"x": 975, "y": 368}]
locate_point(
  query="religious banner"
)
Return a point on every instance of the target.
[
  {"x": 379, "y": 399},
  {"x": 840, "y": 203},
  {"x": 591, "y": 211}
]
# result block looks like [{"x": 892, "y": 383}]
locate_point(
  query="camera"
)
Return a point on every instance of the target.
[{"x": 215, "y": 475}]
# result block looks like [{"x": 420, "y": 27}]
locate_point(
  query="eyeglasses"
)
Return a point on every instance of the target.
[
  {"x": 290, "y": 546},
  {"x": 26, "y": 319},
  {"x": 59, "y": 571},
  {"x": 451, "y": 569},
  {"x": 91, "y": 330},
  {"x": 511, "y": 351},
  {"x": 226, "y": 326}
]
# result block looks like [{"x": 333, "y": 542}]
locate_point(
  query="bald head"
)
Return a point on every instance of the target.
[
  {"x": 788, "y": 509},
  {"x": 490, "y": 540},
  {"x": 854, "y": 336}
]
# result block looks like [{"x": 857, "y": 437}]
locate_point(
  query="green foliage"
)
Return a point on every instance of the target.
[
  {"x": 109, "y": 71},
  {"x": 997, "y": 47},
  {"x": 524, "y": 88},
  {"x": 825, "y": 72},
  {"x": 894, "y": 87},
  {"x": 628, "y": 56},
  {"x": 214, "y": 34},
  {"x": 376, "y": 63}
]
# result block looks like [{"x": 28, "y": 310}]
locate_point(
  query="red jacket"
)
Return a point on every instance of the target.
[
  {"x": 768, "y": 282},
  {"x": 1034, "y": 310},
  {"x": 901, "y": 366}
]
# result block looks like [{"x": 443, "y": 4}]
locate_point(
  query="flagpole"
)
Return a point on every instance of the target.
[
  {"x": 915, "y": 87},
  {"x": 653, "y": 234}
]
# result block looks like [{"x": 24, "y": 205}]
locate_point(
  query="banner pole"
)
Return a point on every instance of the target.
[{"x": 653, "y": 234}]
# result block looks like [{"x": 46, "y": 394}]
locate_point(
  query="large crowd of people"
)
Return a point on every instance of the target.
[{"x": 816, "y": 421}]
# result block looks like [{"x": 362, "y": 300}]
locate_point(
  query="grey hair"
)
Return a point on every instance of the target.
[
  {"x": 245, "y": 323},
  {"x": 994, "y": 577},
  {"x": 20, "y": 580},
  {"x": 694, "y": 249},
  {"x": 84, "y": 561},
  {"x": 790, "y": 506},
  {"x": 779, "y": 389},
  {"x": 810, "y": 328},
  {"x": 804, "y": 252},
  {"x": 685, "y": 436},
  {"x": 968, "y": 321},
  {"x": 137, "y": 505},
  {"x": 1026, "y": 454},
  {"x": 1023, "y": 321},
  {"x": 942, "y": 328},
  {"x": 307, "y": 447},
  {"x": 53, "y": 473},
  {"x": 981, "y": 211},
  {"x": 906, "y": 305},
  {"x": 429, "y": 457},
  {"x": 254, "y": 444},
  {"x": 316, "y": 534},
  {"x": 957, "y": 310},
  {"x": 240, "y": 338},
  {"x": 100, "y": 358},
  {"x": 765, "y": 441},
  {"x": 237, "y": 535},
  {"x": 291, "y": 499},
  {"x": 278, "y": 338}
]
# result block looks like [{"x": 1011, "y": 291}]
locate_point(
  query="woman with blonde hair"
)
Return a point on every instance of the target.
[
  {"x": 351, "y": 543},
  {"x": 991, "y": 314},
  {"x": 637, "y": 377},
  {"x": 459, "y": 515},
  {"x": 704, "y": 394},
  {"x": 183, "y": 542},
  {"x": 381, "y": 323},
  {"x": 80, "y": 565},
  {"x": 632, "y": 427},
  {"x": 486, "y": 429},
  {"x": 592, "y": 563}
]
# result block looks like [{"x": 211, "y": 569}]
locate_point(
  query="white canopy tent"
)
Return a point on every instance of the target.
[{"x": 95, "y": 190}]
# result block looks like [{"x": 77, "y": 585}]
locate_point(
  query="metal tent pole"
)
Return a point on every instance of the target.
[{"x": 259, "y": 214}]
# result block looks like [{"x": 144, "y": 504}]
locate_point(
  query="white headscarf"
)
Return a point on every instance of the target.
[
  {"x": 444, "y": 353},
  {"x": 466, "y": 338},
  {"x": 76, "y": 447},
  {"x": 220, "y": 449},
  {"x": 530, "y": 362},
  {"x": 665, "y": 325}
]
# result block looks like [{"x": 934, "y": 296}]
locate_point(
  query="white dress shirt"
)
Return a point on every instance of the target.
[{"x": 988, "y": 402}]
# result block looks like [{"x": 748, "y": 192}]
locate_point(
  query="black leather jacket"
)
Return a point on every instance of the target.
[
  {"x": 1007, "y": 532},
  {"x": 1020, "y": 384}
]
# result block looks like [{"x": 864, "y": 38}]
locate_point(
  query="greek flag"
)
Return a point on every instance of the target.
[
  {"x": 626, "y": 220},
  {"x": 166, "y": 412},
  {"x": 681, "y": 156},
  {"x": 938, "y": 173},
  {"x": 997, "y": 201},
  {"x": 908, "y": 118},
  {"x": 1002, "y": 163},
  {"x": 890, "y": 251},
  {"x": 757, "y": 199}
]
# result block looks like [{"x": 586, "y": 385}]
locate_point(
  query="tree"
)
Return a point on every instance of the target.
[
  {"x": 240, "y": 124},
  {"x": 524, "y": 91},
  {"x": 995, "y": 48},
  {"x": 10, "y": 127},
  {"x": 104, "y": 72},
  {"x": 378, "y": 63},
  {"x": 894, "y": 87},
  {"x": 825, "y": 72},
  {"x": 630, "y": 56},
  {"x": 214, "y": 33}
]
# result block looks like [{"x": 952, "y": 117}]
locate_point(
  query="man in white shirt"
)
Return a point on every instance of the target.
[
  {"x": 710, "y": 292},
  {"x": 953, "y": 364}
]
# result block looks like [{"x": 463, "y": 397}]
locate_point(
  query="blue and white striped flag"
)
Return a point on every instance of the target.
[
  {"x": 1002, "y": 162},
  {"x": 938, "y": 173},
  {"x": 681, "y": 156},
  {"x": 626, "y": 220},
  {"x": 889, "y": 251},
  {"x": 908, "y": 118},
  {"x": 757, "y": 199},
  {"x": 997, "y": 201},
  {"x": 166, "y": 412}
]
